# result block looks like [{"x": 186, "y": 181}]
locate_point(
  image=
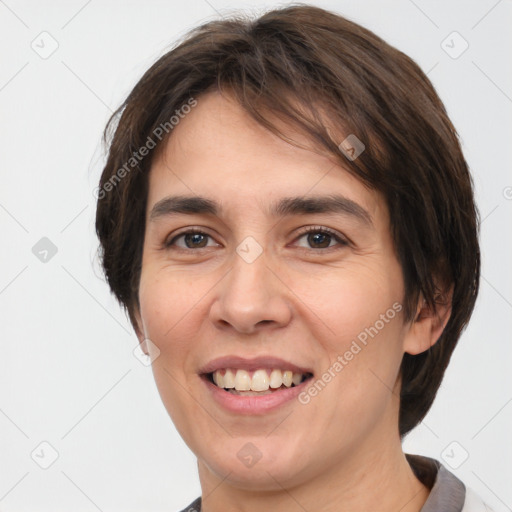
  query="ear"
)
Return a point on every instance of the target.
[
  {"x": 139, "y": 329},
  {"x": 429, "y": 323}
]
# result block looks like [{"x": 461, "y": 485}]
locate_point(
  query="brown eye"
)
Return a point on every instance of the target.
[
  {"x": 321, "y": 238},
  {"x": 192, "y": 239}
]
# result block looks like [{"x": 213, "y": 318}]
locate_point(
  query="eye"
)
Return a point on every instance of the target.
[
  {"x": 318, "y": 237},
  {"x": 192, "y": 238}
]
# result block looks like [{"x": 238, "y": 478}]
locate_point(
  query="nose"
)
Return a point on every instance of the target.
[{"x": 251, "y": 297}]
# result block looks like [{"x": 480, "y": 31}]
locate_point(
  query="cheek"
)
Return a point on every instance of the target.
[
  {"x": 350, "y": 299},
  {"x": 361, "y": 333},
  {"x": 167, "y": 302},
  {"x": 167, "y": 310}
]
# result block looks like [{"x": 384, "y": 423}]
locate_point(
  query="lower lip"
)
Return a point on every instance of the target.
[{"x": 253, "y": 404}]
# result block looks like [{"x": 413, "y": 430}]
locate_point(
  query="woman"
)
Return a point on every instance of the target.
[{"x": 287, "y": 217}]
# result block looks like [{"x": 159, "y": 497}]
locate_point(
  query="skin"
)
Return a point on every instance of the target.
[{"x": 303, "y": 303}]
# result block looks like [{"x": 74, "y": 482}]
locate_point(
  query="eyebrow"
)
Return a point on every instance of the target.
[{"x": 287, "y": 206}]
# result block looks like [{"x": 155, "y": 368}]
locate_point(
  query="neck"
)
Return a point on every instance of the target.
[{"x": 374, "y": 480}]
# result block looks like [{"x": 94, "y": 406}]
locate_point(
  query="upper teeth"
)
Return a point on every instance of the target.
[{"x": 261, "y": 380}]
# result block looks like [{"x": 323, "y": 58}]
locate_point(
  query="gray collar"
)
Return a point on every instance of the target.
[{"x": 447, "y": 492}]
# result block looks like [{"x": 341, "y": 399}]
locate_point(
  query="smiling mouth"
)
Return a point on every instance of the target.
[{"x": 255, "y": 383}]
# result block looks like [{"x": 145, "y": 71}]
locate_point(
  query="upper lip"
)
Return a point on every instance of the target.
[{"x": 250, "y": 364}]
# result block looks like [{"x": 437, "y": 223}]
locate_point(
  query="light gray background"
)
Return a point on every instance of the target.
[{"x": 68, "y": 375}]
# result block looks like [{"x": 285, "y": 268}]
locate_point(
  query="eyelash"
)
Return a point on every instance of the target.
[{"x": 342, "y": 242}]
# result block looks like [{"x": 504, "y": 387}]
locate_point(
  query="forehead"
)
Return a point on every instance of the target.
[{"x": 219, "y": 151}]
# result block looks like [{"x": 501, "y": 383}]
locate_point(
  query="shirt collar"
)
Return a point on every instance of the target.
[{"x": 447, "y": 493}]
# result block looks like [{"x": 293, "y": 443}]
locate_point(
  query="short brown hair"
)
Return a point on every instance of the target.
[{"x": 290, "y": 64}]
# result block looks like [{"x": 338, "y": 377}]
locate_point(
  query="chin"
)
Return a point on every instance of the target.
[{"x": 255, "y": 463}]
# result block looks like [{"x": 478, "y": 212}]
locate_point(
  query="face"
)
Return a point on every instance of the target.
[{"x": 265, "y": 286}]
